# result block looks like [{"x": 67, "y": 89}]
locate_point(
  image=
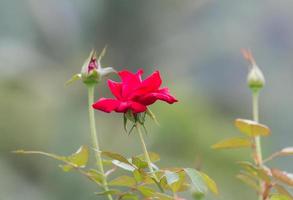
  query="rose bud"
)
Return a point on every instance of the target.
[
  {"x": 255, "y": 78},
  {"x": 92, "y": 71}
]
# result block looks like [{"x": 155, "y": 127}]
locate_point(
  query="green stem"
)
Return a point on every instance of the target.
[
  {"x": 94, "y": 137},
  {"x": 147, "y": 156},
  {"x": 257, "y": 142}
]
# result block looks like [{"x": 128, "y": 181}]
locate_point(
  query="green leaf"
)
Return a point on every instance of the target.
[
  {"x": 255, "y": 171},
  {"x": 180, "y": 185},
  {"x": 80, "y": 157},
  {"x": 196, "y": 180},
  {"x": 171, "y": 177},
  {"x": 95, "y": 176},
  {"x": 112, "y": 192},
  {"x": 128, "y": 196},
  {"x": 252, "y": 128},
  {"x": 123, "y": 181},
  {"x": 279, "y": 197},
  {"x": 233, "y": 143},
  {"x": 198, "y": 196},
  {"x": 138, "y": 175},
  {"x": 124, "y": 166},
  {"x": 248, "y": 181},
  {"x": 116, "y": 156},
  {"x": 73, "y": 79},
  {"x": 161, "y": 196},
  {"x": 153, "y": 156},
  {"x": 140, "y": 164},
  {"x": 146, "y": 191},
  {"x": 210, "y": 183}
]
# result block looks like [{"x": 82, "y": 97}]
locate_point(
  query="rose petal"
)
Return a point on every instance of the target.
[
  {"x": 134, "y": 106},
  {"x": 130, "y": 81},
  {"x": 162, "y": 94},
  {"x": 116, "y": 88},
  {"x": 150, "y": 84},
  {"x": 106, "y": 105}
]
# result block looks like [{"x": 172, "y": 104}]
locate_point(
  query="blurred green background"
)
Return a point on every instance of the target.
[{"x": 196, "y": 45}]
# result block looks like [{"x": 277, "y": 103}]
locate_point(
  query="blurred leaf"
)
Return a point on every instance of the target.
[
  {"x": 256, "y": 172},
  {"x": 123, "y": 165},
  {"x": 95, "y": 176},
  {"x": 233, "y": 143},
  {"x": 137, "y": 175},
  {"x": 116, "y": 156},
  {"x": 123, "y": 181},
  {"x": 283, "y": 191},
  {"x": 279, "y": 197},
  {"x": 146, "y": 191},
  {"x": 252, "y": 128},
  {"x": 263, "y": 175},
  {"x": 286, "y": 151},
  {"x": 161, "y": 196},
  {"x": 110, "y": 171},
  {"x": 73, "y": 79},
  {"x": 282, "y": 176},
  {"x": 196, "y": 179},
  {"x": 171, "y": 177},
  {"x": 180, "y": 185},
  {"x": 112, "y": 192},
  {"x": 198, "y": 195},
  {"x": 210, "y": 183},
  {"x": 153, "y": 156},
  {"x": 128, "y": 196},
  {"x": 140, "y": 164},
  {"x": 248, "y": 181},
  {"x": 80, "y": 157}
]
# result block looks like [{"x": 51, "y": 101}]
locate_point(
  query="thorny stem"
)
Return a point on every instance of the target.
[
  {"x": 146, "y": 154},
  {"x": 94, "y": 137},
  {"x": 257, "y": 142}
]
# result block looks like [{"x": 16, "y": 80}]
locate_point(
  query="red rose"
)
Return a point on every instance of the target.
[{"x": 133, "y": 93}]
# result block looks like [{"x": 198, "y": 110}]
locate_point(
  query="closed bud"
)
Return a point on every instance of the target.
[
  {"x": 255, "y": 78},
  {"x": 92, "y": 72},
  {"x": 89, "y": 73}
]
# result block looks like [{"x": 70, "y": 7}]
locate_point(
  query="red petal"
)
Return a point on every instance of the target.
[
  {"x": 150, "y": 84},
  {"x": 116, "y": 88},
  {"x": 162, "y": 94},
  {"x": 137, "y": 107},
  {"x": 130, "y": 81},
  {"x": 106, "y": 105},
  {"x": 153, "y": 82},
  {"x": 134, "y": 106}
]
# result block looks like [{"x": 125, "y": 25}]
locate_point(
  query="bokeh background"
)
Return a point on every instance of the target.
[{"x": 196, "y": 46}]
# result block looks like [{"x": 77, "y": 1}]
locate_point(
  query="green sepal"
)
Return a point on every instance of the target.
[{"x": 74, "y": 78}]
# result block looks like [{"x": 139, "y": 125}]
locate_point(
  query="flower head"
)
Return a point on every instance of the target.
[
  {"x": 133, "y": 93},
  {"x": 92, "y": 72},
  {"x": 255, "y": 78}
]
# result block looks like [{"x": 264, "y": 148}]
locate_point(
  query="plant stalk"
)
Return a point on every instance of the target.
[
  {"x": 257, "y": 142},
  {"x": 94, "y": 137},
  {"x": 147, "y": 156}
]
